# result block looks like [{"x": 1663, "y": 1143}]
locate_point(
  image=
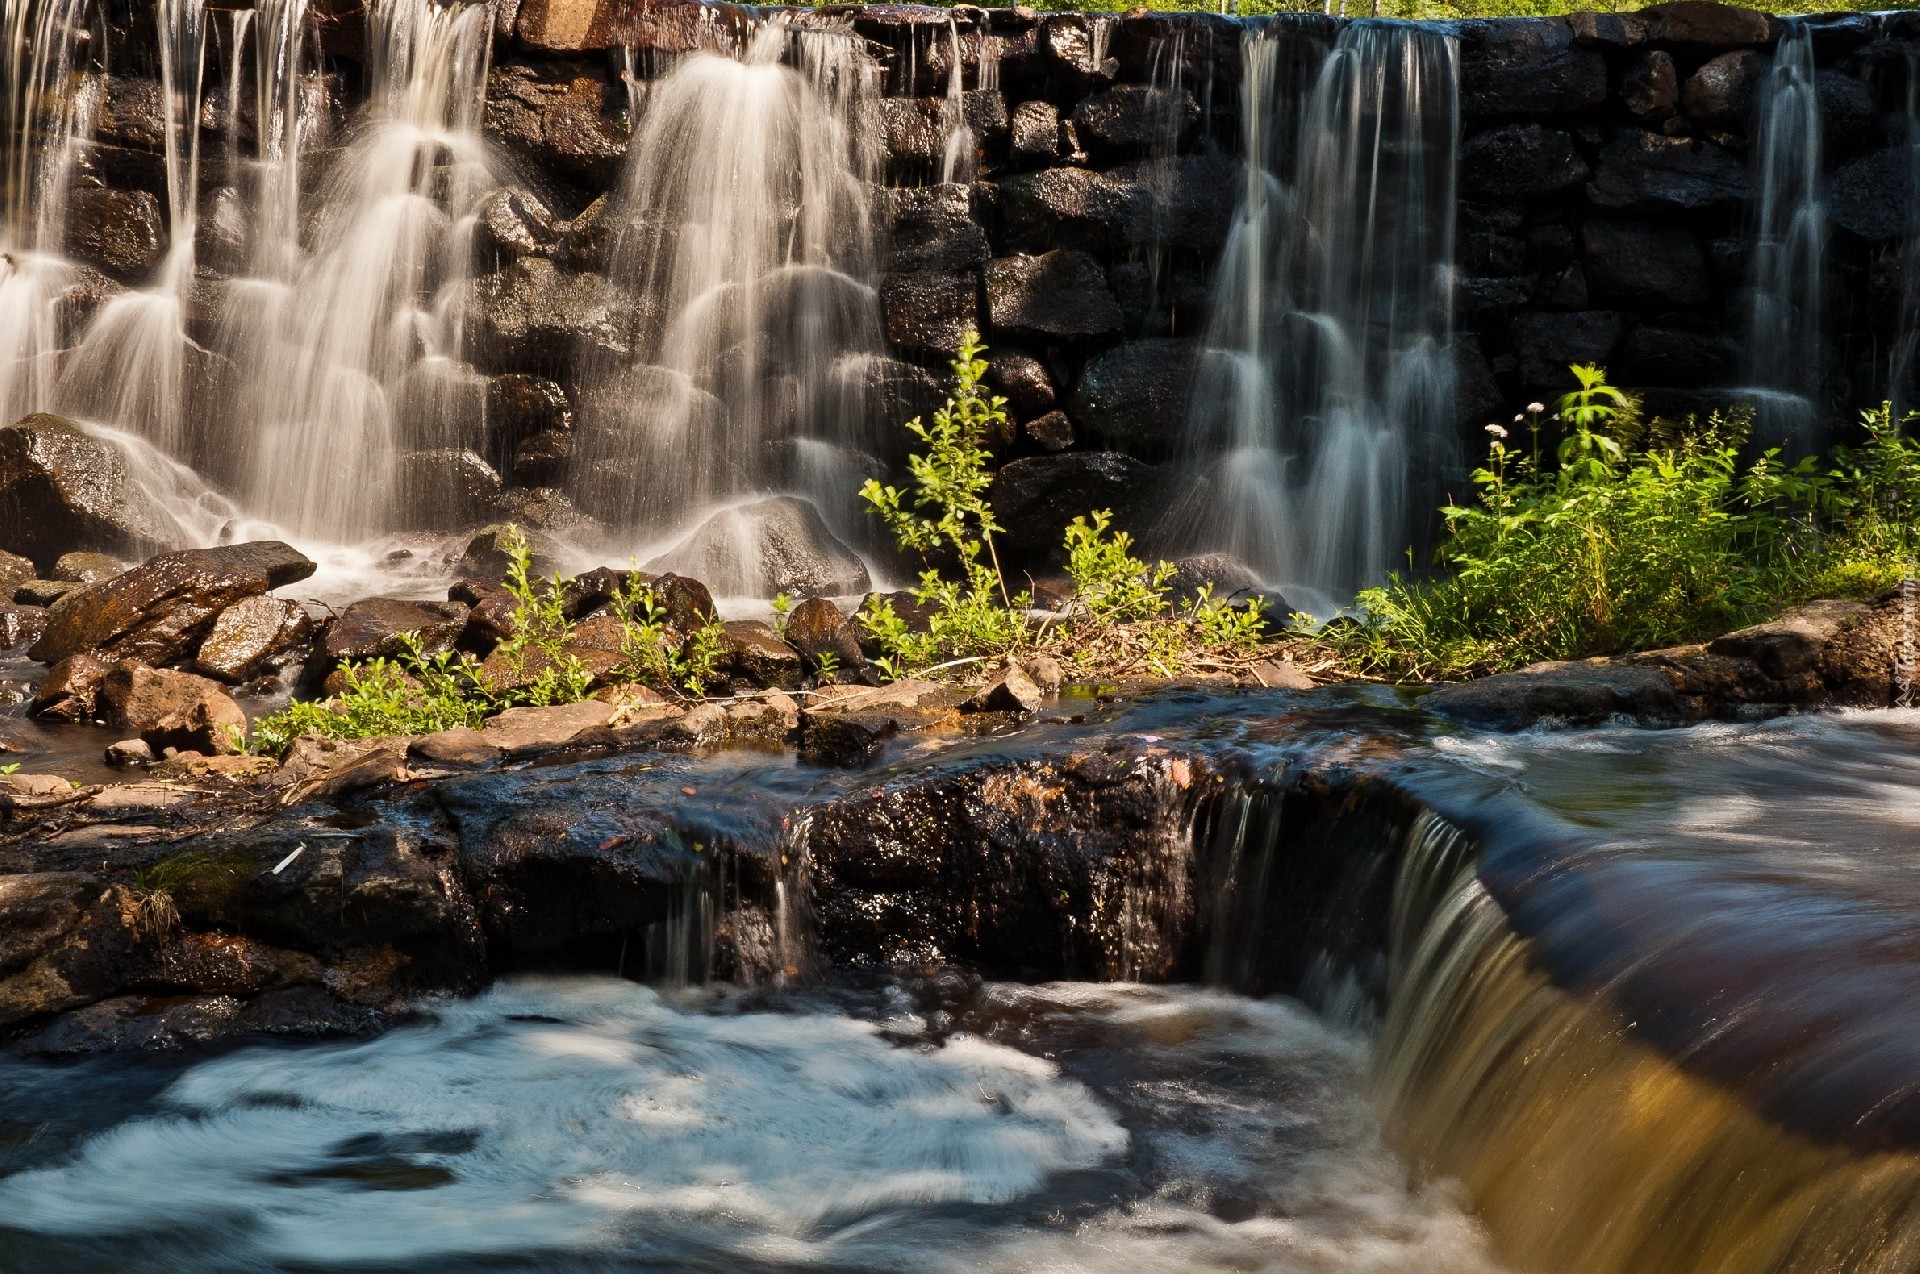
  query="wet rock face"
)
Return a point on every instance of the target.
[
  {"x": 375, "y": 628},
  {"x": 63, "y": 490},
  {"x": 1059, "y": 295},
  {"x": 1039, "y": 496},
  {"x": 157, "y": 612},
  {"x": 119, "y": 232},
  {"x": 1135, "y": 396},
  {"x": 170, "y": 709},
  {"x": 444, "y": 490},
  {"x": 1031, "y": 874},
  {"x": 817, "y": 628},
  {"x": 250, "y": 635},
  {"x": 560, "y": 118}
]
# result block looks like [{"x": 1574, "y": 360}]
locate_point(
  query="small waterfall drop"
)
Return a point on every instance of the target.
[
  {"x": 355, "y": 347},
  {"x": 1785, "y": 275},
  {"x": 745, "y": 244},
  {"x": 48, "y": 102},
  {"x": 1327, "y": 379}
]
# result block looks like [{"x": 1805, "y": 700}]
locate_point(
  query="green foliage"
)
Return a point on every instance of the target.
[
  {"x": 414, "y": 693},
  {"x": 782, "y": 608},
  {"x": 1113, "y": 585},
  {"x": 649, "y": 652},
  {"x": 540, "y": 670},
  {"x": 11, "y": 768},
  {"x": 1620, "y": 547}
]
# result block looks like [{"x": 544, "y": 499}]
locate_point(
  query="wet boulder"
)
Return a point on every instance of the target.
[
  {"x": 171, "y": 709},
  {"x": 760, "y": 654},
  {"x": 62, "y": 489},
  {"x": 849, "y": 725},
  {"x": 375, "y": 628},
  {"x": 159, "y": 611},
  {"x": 1035, "y": 134},
  {"x": 119, "y": 232},
  {"x": 15, "y": 570},
  {"x": 1650, "y": 86},
  {"x": 71, "y": 691},
  {"x": 445, "y": 489},
  {"x": 1706, "y": 25},
  {"x": 86, "y": 568},
  {"x": 20, "y": 625},
  {"x": 1872, "y": 196},
  {"x": 525, "y": 730},
  {"x": 1059, "y": 295},
  {"x": 487, "y": 555},
  {"x": 1023, "y": 380},
  {"x": 251, "y": 636},
  {"x": 1077, "y": 44},
  {"x": 932, "y": 228},
  {"x": 1549, "y": 343},
  {"x": 1075, "y": 208},
  {"x": 929, "y": 312},
  {"x": 1642, "y": 170},
  {"x": 1036, "y": 498},
  {"x": 558, "y": 119},
  {"x": 777, "y": 545},
  {"x": 1645, "y": 264},
  {"x": 1537, "y": 71},
  {"x": 1051, "y": 431},
  {"x": 1131, "y": 119},
  {"x": 1520, "y": 159},
  {"x": 511, "y": 224},
  {"x": 533, "y": 317},
  {"x": 1721, "y": 93},
  {"x": 1135, "y": 396},
  {"x": 37, "y": 910},
  {"x": 1577, "y": 692},
  {"x": 44, "y": 592},
  {"x": 822, "y": 633}
]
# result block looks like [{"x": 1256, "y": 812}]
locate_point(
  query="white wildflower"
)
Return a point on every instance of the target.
[{"x": 1498, "y": 431}]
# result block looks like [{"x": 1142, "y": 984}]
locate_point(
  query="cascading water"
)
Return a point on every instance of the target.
[
  {"x": 356, "y": 351},
  {"x": 47, "y": 107},
  {"x": 1786, "y": 273},
  {"x": 1327, "y": 380},
  {"x": 745, "y": 243}
]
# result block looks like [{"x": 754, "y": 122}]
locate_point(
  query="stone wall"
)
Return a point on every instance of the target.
[{"x": 1604, "y": 191}]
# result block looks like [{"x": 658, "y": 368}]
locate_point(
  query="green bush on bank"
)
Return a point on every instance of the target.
[{"x": 1628, "y": 538}]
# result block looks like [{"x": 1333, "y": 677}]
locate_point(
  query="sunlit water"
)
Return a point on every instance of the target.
[{"x": 595, "y": 1123}]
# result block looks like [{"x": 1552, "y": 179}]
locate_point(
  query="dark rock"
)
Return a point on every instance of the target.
[
  {"x": 816, "y": 628},
  {"x": 1794, "y": 643},
  {"x": 1645, "y": 170},
  {"x": 760, "y": 654},
  {"x": 1660, "y": 354},
  {"x": 1588, "y": 692},
  {"x": 1189, "y": 200},
  {"x": 373, "y": 628},
  {"x": 118, "y": 231},
  {"x": 1520, "y": 159},
  {"x": 933, "y": 230},
  {"x": 519, "y": 407},
  {"x": 72, "y": 689},
  {"x": 1021, "y": 378},
  {"x": 532, "y": 317},
  {"x": 1563, "y": 82},
  {"x": 444, "y": 490},
  {"x": 61, "y": 489},
  {"x": 1077, "y": 43},
  {"x": 20, "y": 625},
  {"x": 86, "y": 568},
  {"x": 510, "y": 224},
  {"x": 776, "y": 545},
  {"x": 852, "y": 727},
  {"x": 1610, "y": 30},
  {"x": 172, "y": 709},
  {"x": 1008, "y": 690},
  {"x": 685, "y": 601},
  {"x": 44, "y": 592},
  {"x": 1706, "y": 25},
  {"x": 1226, "y": 575},
  {"x": 1051, "y": 432},
  {"x": 1135, "y": 395},
  {"x": 487, "y": 554},
  {"x": 1036, "y": 498},
  {"x": 1036, "y": 134},
  {"x": 1134, "y": 119},
  {"x": 1872, "y": 196},
  {"x": 930, "y": 313},
  {"x": 137, "y": 1023},
  {"x": 1637, "y": 263},
  {"x": 127, "y": 753},
  {"x": 914, "y": 129},
  {"x": 37, "y": 910},
  {"x": 1549, "y": 343},
  {"x": 1650, "y": 87},
  {"x": 521, "y": 731},
  {"x": 1075, "y": 208},
  {"x": 1721, "y": 93},
  {"x": 251, "y": 636},
  {"x": 1037, "y": 864},
  {"x": 545, "y": 459},
  {"x": 1846, "y": 111},
  {"x": 15, "y": 570},
  {"x": 1060, "y": 295},
  {"x": 558, "y": 119},
  {"x": 158, "y": 612}
]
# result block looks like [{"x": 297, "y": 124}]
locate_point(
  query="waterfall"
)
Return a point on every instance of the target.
[
  {"x": 745, "y": 242},
  {"x": 1903, "y": 378},
  {"x": 349, "y": 350},
  {"x": 1326, "y": 383},
  {"x": 47, "y": 107},
  {"x": 1789, "y": 248}
]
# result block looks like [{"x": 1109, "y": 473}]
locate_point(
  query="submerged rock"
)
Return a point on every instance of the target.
[
  {"x": 1585, "y": 692},
  {"x": 778, "y": 545},
  {"x": 157, "y": 612},
  {"x": 62, "y": 489}
]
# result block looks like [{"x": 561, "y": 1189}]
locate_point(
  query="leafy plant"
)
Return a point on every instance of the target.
[
  {"x": 1113, "y": 585},
  {"x": 540, "y": 669},
  {"x": 414, "y": 693},
  {"x": 12, "y": 768}
]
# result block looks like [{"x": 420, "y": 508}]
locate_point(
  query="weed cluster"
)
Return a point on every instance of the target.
[{"x": 1628, "y": 539}]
